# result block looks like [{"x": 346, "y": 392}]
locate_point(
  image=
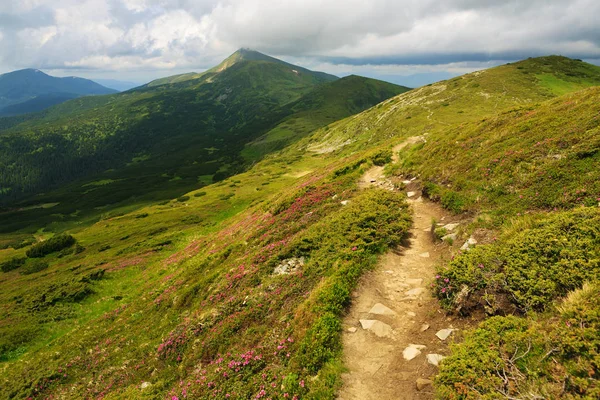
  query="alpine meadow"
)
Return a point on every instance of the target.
[{"x": 262, "y": 230}]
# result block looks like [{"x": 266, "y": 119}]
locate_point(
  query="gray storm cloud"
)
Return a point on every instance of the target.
[{"x": 117, "y": 35}]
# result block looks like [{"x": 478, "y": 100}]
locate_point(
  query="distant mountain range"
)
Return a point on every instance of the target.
[
  {"x": 31, "y": 90},
  {"x": 172, "y": 135}
]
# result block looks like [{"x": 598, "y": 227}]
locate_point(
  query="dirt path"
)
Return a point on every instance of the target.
[{"x": 392, "y": 310}]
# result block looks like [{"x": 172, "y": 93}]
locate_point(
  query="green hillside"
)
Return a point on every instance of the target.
[
  {"x": 436, "y": 107},
  {"x": 238, "y": 289},
  {"x": 322, "y": 106},
  {"x": 158, "y": 143}
]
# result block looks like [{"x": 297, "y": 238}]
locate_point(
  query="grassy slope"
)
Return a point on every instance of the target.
[
  {"x": 192, "y": 291},
  {"x": 538, "y": 157},
  {"x": 175, "y": 269},
  {"x": 531, "y": 174},
  {"x": 324, "y": 105},
  {"x": 440, "y": 106}
]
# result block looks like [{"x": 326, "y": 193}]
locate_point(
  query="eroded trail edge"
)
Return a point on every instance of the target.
[{"x": 395, "y": 333}]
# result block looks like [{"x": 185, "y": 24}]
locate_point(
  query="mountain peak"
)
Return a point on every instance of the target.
[
  {"x": 25, "y": 72},
  {"x": 243, "y": 54}
]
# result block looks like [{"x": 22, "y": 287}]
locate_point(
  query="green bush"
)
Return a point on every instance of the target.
[
  {"x": 55, "y": 243},
  {"x": 529, "y": 266},
  {"x": 454, "y": 201},
  {"x": 382, "y": 157},
  {"x": 183, "y": 198},
  {"x": 12, "y": 264},
  {"x": 12, "y": 338},
  {"x": 200, "y": 194},
  {"x": 549, "y": 357},
  {"x": 431, "y": 191},
  {"x": 24, "y": 243},
  {"x": 34, "y": 266}
]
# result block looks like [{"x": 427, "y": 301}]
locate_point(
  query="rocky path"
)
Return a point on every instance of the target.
[{"x": 395, "y": 332}]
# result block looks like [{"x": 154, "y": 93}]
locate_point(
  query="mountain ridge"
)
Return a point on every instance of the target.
[
  {"x": 22, "y": 86},
  {"x": 238, "y": 56}
]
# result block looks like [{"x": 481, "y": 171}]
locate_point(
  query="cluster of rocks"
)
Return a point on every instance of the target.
[
  {"x": 412, "y": 351},
  {"x": 451, "y": 236},
  {"x": 383, "y": 183},
  {"x": 289, "y": 266},
  {"x": 470, "y": 243}
]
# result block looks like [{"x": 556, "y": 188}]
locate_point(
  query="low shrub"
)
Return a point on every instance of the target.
[
  {"x": 382, "y": 157},
  {"x": 12, "y": 264},
  {"x": 431, "y": 191},
  {"x": 454, "y": 201},
  {"x": 528, "y": 267},
  {"x": 183, "y": 198},
  {"x": 550, "y": 357},
  {"x": 55, "y": 243},
  {"x": 34, "y": 266}
]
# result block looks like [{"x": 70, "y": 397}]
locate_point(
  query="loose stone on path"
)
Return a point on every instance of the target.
[
  {"x": 434, "y": 359},
  {"x": 423, "y": 383},
  {"x": 380, "y": 329},
  {"x": 415, "y": 292},
  {"x": 412, "y": 351},
  {"x": 380, "y": 309},
  {"x": 444, "y": 333}
]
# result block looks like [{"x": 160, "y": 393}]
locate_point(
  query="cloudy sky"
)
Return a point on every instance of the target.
[{"x": 410, "y": 42}]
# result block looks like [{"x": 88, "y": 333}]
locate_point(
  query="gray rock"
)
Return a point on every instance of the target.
[
  {"x": 410, "y": 194},
  {"x": 434, "y": 359},
  {"x": 352, "y": 329},
  {"x": 471, "y": 242},
  {"x": 424, "y": 327},
  {"x": 344, "y": 202},
  {"x": 412, "y": 351},
  {"x": 380, "y": 309},
  {"x": 450, "y": 236},
  {"x": 145, "y": 385},
  {"x": 379, "y": 328},
  {"x": 289, "y": 266},
  {"x": 443, "y": 334},
  {"x": 424, "y": 255},
  {"x": 450, "y": 227}
]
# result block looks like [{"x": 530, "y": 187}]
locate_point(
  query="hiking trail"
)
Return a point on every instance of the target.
[{"x": 390, "y": 341}]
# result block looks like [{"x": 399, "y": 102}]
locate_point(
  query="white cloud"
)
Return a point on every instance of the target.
[{"x": 174, "y": 35}]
